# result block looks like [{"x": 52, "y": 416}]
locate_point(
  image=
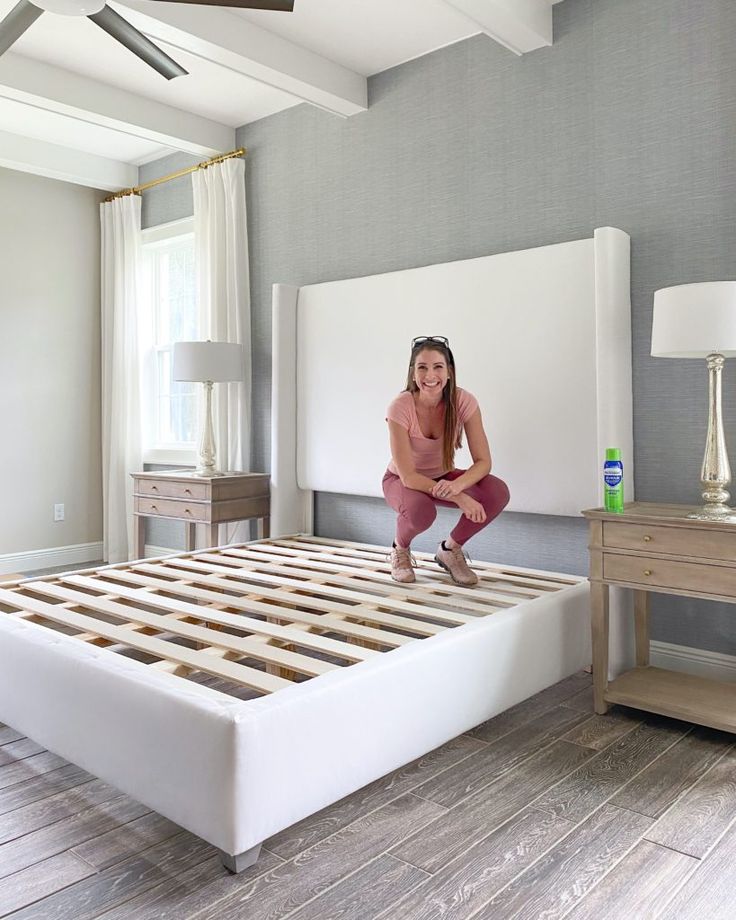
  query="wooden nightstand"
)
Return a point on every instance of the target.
[
  {"x": 653, "y": 547},
  {"x": 209, "y": 500}
]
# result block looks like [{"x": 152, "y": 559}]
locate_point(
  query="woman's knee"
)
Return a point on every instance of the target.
[
  {"x": 494, "y": 493},
  {"x": 420, "y": 511}
]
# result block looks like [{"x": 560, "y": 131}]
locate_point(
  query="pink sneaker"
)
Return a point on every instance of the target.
[
  {"x": 453, "y": 561},
  {"x": 402, "y": 569}
]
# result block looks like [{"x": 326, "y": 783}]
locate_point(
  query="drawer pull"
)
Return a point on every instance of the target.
[
  {"x": 187, "y": 511},
  {"x": 154, "y": 488},
  {"x": 187, "y": 491},
  {"x": 647, "y": 538},
  {"x": 154, "y": 508},
  {"x": 647, "y": 571}
]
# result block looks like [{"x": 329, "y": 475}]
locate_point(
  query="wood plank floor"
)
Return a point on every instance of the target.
[{"x": 547, "y": 811}]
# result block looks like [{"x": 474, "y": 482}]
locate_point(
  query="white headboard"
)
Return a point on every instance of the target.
[{"x": 541, "y": 336}]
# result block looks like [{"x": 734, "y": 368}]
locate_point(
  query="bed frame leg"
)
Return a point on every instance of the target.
[{"x": 237, "y": 863}]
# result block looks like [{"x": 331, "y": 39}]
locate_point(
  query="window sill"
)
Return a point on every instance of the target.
[{"x": 170, "y": 455}]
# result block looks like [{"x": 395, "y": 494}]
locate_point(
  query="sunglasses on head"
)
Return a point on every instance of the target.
[{"x": 421, "y": 339}]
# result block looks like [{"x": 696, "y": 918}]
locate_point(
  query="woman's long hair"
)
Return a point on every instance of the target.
[{"x": 452, "y": 435}]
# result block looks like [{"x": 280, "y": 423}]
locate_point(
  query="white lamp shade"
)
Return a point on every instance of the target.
[
  {"x": 695, "y": 320},
  {"x": 201, "y": 361}
]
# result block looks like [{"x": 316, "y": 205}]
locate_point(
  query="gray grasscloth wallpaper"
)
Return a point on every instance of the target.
[{"x": 628, "y": 120}]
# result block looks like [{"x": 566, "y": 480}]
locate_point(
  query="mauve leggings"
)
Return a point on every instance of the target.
[{"x": 417, "y": 510}]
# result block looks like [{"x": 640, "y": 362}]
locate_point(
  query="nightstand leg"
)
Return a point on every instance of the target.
[
  {"x": 213, "y": 534},
  {"x": 140, "y": 536},
  {"x": 641, "y": 626},
  {"x": 599, "y": 625},
  {"x": 264, "y": 528},
  {"x": 191, "y": 535}
]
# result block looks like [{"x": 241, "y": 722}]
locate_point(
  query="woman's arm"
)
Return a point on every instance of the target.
[
  {"x": 403, "y": 461},
  {"x": 481, "y": 454}
]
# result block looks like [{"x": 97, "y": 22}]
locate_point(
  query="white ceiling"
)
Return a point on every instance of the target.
[
  {"x": 368, "y": 37},
  {"x": 75, "y": 104}
]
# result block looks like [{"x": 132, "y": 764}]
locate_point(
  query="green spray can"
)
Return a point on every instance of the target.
[{"x": 613, "y": 481}]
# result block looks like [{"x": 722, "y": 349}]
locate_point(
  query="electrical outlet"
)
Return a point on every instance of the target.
[{"x": 59, "y": 512}]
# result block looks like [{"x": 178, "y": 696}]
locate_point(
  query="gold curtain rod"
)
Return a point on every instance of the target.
[{"x": 240, "y": 152}]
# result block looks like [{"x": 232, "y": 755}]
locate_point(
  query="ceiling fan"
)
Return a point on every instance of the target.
[{"x": 25, "y": 13}]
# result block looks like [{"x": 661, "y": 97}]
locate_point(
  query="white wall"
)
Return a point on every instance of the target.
[{"x": 49, "y": 363}]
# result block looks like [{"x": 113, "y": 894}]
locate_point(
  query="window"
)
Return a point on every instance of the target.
[{"x": 169, "y": 315}]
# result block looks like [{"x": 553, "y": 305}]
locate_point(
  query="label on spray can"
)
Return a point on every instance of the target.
[{"x": 613, "y": 472}]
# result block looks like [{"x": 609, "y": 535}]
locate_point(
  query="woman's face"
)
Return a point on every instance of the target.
[{"x": 430, "y": 372}]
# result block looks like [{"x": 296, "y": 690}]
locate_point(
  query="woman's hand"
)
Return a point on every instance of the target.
[
  {"x": 472, "y": 509},
  {"x": 446, "y": 489}
]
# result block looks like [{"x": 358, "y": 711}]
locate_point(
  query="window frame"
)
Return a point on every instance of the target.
[{"x": 181, "y": 455}]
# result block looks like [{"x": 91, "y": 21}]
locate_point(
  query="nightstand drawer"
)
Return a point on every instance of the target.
[
  {"x": 188, "y": 511},
  {"x": 649, "y": 571},
  {"x": 674, "y": 541},
  {"x": 163, "y": 488}
]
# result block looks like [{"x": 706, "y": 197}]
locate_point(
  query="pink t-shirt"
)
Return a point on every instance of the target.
[{"x": 426, "y": 452}]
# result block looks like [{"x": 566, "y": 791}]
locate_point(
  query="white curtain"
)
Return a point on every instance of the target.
[
  {"x": 121, "y": 426},
  {"x": 221, "y": 244}
]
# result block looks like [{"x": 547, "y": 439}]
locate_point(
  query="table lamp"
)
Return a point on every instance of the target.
[
  {"x": 699, "y": 321},
  {"x": 207, "y": 363}
]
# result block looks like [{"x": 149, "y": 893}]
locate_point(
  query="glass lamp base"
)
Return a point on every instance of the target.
[
  {"x": 720, "y": 514},
  {"x": 206, "y": 471}
]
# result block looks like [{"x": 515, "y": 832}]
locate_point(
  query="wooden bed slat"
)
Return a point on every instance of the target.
[
  {"x": 438, "y": 589},
  {"x": 303, "y": 664},
  {"x": 434, "y": 579},
  {"x": 241, "y": 674},
  {"x": 502, "y": 589},
  {"x": 317, "y": 587},
  {"x": 289, "y": 597},
  {"x": 360, "y": 611},
  {"x": 247, "y": 624},
  {"x": 381, "y": 581},
  {"x": 492, "y": 569}
]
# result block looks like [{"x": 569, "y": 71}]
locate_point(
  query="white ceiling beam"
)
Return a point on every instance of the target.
[
  {"x": 26, "y": 154},
  {"x": 233, "y": 42},
  {"x": 519, "y": 25},
  {"x": 56, "y": 90}
]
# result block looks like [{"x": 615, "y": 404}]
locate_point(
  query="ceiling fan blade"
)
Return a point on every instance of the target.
[
  {"x": 23, "y": 15},
  {"x": 282, "y": 6},
  {"x": 135, "y": 41}
]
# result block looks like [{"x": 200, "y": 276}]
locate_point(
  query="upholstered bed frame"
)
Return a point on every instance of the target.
[{"x": 240, "y": 689}]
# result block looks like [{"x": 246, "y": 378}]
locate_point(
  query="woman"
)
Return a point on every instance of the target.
[{"x": 426, "y": 423}]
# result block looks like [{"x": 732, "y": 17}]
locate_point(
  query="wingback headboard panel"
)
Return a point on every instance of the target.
[{"x": 541, "y": 337}]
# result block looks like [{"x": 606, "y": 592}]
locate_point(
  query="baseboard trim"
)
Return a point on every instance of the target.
[
  {"x": 49, "y": 558},
  {"x": 156, "y": 551},
  {"x": 697, "y": 661}
]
